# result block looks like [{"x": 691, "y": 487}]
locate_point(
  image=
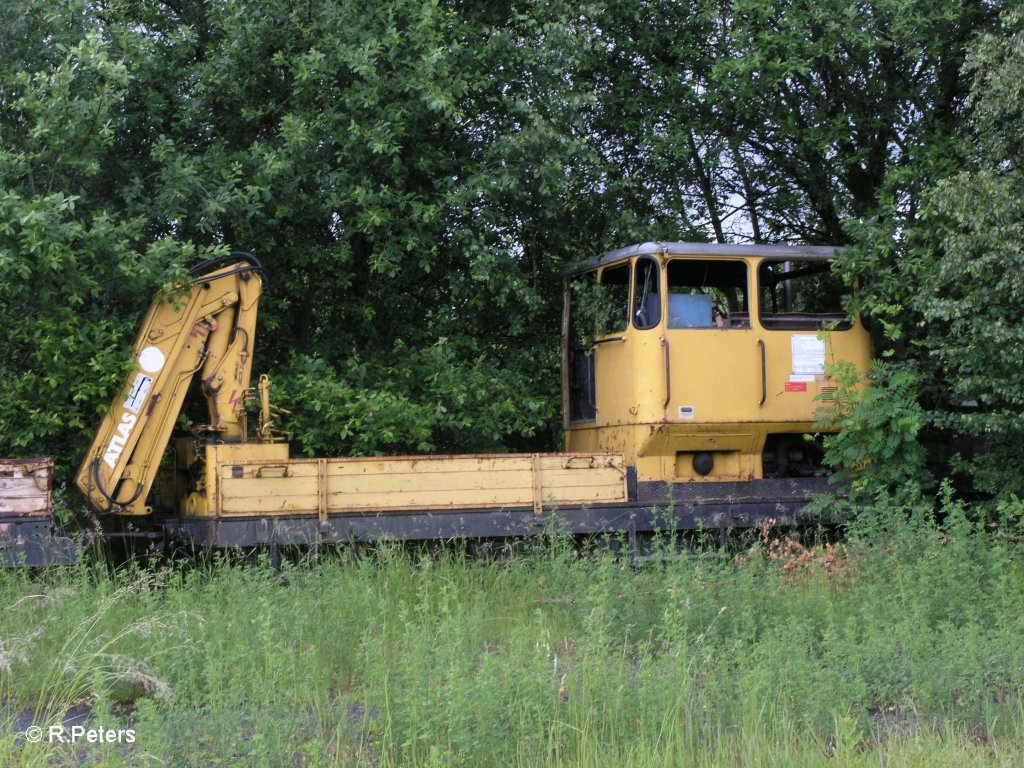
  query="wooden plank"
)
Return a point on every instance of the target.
[
  {"x": 21, "y": 489},
  {"x": 25, "y": 487},
  {"x": 24, "y": 506}
]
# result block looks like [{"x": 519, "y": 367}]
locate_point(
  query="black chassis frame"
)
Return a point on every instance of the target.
[
  {"x": 31, "y": 542},
  {"x": 652, "y": 506}
]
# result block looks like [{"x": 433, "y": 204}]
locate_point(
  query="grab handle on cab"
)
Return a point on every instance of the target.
[{"x": 764, "y": 373}]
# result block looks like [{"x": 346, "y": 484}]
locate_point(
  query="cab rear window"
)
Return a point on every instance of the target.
[{"x": 801, "y": 295}]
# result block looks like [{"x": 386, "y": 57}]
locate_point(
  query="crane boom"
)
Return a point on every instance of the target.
[{"x": 208, "y": 327}]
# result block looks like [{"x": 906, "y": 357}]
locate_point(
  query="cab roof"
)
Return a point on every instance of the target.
[{"x": 708, "y": 249}]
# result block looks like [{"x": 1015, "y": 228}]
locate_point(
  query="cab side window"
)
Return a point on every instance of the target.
[
  {"x": 598, "y": 307},
  {"x": 647, "y": 294},
  {"x": 613, "y": 300},
  {"x": 802, "y": 295}
]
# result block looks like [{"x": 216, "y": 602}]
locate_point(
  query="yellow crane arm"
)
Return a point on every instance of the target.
[{"x": 210, "y": 327}]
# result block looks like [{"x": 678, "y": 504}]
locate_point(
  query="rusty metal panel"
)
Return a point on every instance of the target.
[
  {"x": 26, "y": 488},
  {"x": 485, "y": 481}
]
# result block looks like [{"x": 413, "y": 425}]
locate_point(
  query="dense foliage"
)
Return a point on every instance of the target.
[
  {"x": 944, "y": 268},
  {"x": 417, "y": 175}
]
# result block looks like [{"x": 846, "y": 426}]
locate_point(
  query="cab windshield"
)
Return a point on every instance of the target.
[{"x": 705, "y": 293}]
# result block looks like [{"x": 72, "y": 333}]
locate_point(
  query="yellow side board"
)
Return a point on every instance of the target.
[{"x": 269, "y": 487}]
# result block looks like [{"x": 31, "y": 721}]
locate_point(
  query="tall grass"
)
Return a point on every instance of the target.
[{"x": 899, "y": 647}]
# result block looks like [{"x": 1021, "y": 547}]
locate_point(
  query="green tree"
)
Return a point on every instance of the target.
[
  {"x": 775, "y": 121},
  {"x": 405, "y": 170},
  {"x": 73, "y": 255},
  {"x": 970, "y": 262},
  {"x": 940, "y": 271}
]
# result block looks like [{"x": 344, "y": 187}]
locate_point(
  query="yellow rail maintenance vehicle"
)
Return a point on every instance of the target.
[{"x": 690, "y": 377}]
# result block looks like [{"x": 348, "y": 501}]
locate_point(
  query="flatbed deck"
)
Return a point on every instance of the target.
[{"x": 647, "y": 507}]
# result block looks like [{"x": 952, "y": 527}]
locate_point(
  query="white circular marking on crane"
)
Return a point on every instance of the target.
[{"x": 151, "y": 359}]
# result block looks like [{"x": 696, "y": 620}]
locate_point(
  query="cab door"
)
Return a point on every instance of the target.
[
  {"x": 613, "y": 364},
  {"x": 596, "y": 378},
  {"x": 715, "y": 363}
]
